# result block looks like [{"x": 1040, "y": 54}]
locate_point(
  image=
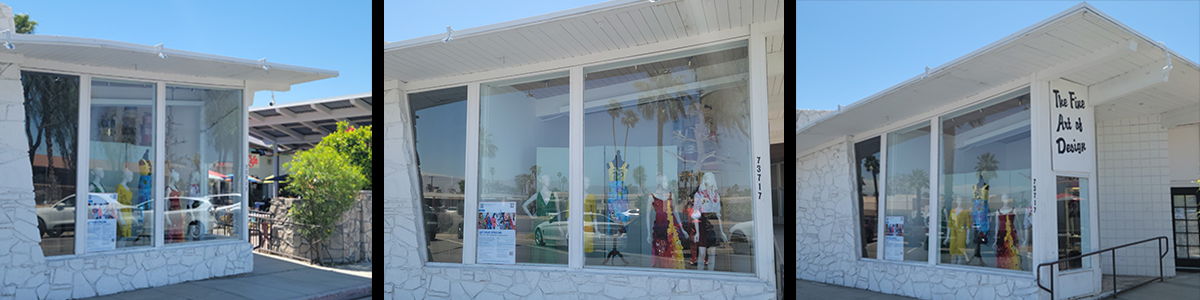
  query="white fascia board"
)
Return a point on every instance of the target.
[
  {"x": 315, "y": 101},
  {"x": 1128, "y": 83},
  {"x": 518, "y": 23},
  {"x": 1152, "y": 42}
]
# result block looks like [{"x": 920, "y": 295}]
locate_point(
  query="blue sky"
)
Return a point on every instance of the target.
[
  {"x": 317, "y": 35},
  {"x": 865, "y": 47},
  {"x": 413, "y": 19}
]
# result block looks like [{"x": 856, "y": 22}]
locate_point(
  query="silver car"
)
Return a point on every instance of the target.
[
  {"x": 55, "y": 219},
  {"x": 606, "y": 232}
]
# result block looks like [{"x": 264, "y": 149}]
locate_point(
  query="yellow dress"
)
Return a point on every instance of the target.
[
  {"x": 958, "y": 231},
  {"x": 125, "y": 197},
  {"x": 589, "y": 206}
]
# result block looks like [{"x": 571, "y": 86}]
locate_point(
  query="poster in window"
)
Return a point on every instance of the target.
[
  {"x": 497, "y": 233},
  {"x": 102, "y": 221},
  {"x": 893, "y": 247}
]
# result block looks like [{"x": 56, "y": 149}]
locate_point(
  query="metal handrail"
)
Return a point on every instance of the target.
[{"x": 1160, "y": 241}]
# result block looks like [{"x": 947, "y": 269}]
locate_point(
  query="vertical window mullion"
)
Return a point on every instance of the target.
[
  {"x": 935, "y": 138},
  {"x": 82, "y": 162},
  {"x": 160, "y": 124},
  {"x": 881, "y": 198},
  {"x": 576, "y": 194},
  {"x": 471, "y": 195}
]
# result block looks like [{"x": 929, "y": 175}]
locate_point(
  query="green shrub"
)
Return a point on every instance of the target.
[
  {"x": 355, "y": 143},
  {"x": 326, "y": 182}
]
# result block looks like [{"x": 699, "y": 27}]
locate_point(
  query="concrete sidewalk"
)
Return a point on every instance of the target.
[
  {"x": 815, "y": 290},
  {"x": 273, "y": 278},
  {"x": 1185, "y": 285}
]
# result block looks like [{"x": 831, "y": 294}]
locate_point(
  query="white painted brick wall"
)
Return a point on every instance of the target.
[
  {"x": 407, "y": 277},
  {"x": 827, "y": 233},
  {"x": 1134, "y": 192}
]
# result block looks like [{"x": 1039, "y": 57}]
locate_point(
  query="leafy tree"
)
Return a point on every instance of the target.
[
  {"x": 327, "y": 182},
  {"x": 986, "y": 166},
  {"x": 355, "y": 143},
  {"x": 51, "y": 103},
  {"x": 24, "y": 24}
]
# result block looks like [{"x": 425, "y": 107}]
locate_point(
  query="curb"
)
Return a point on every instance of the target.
[{"x": 347, "y": 293}]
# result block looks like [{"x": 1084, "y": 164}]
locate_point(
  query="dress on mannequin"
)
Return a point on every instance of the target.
[
  {"x": 125, "y": 197},
  {"x": 980, "y": 219},
  {"x": 618, "y": 201},
  {"x": 958, "y": 223},
  {"x": 1006, "y": 240},
  {"x": 667, "y": 249}
]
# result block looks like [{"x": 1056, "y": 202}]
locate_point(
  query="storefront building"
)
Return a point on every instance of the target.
[
  {"x": 150, "y": 135},
  {"x": 1073, "y": 135},
  {"x": 649, "y": 121}
]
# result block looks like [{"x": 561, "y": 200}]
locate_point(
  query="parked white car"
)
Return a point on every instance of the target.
[
  {"x": 741, "y": 237},
  {"x": 554, "y": 231},
  {"x": 55, "y": 219}
]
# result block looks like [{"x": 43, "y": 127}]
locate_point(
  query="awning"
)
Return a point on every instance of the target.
[{"x": 212, "y": 175}]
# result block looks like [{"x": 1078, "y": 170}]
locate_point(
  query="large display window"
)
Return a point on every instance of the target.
[
  {"x": 866, "y": 166},
  {"x": 985, "y": 188},
  {"x": 523, "y": 170},
  {"x": 906, "y": 209},
  {"x": 120, "y": 200},
  {"x": 667, "y": 162},
  {"x": 202, "y": 169},
  {"x": 52, "y": 130},
  {"x": 439, "y": 130}
]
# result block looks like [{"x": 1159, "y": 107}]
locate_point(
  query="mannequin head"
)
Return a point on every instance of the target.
[
  {"x": 544, "y": 181},
  {"x": 1006, "y": 199},
  {"x": 97, "y": 174},
  {"x": 195, "y": 178},
  {"x": 127, "y": 176},
  {"x": 709, "y": 182},
  {"x": 174, "y": 177},
  {"x": 958, "y": 201},
  {"x": 587, "y": 182},
  {"x": 662, "y": 181}
]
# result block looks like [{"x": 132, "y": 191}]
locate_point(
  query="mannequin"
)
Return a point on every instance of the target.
[
  {"x": 666, "y": 248},
  {"x": 172, "y": 190},
  {"x": 95, "y": 186},
  {"x": 194, "y": 188},
  {"x": 980, "y": 220},
  {"x": 617, "y": 201},
  {"x": 1005, "y": 239},
  {"x": 707, "y": 207},
  {"x": 542, "y": 200},
  {"x": 173, "y": 204},
  {"x": 125, "y": 198},
  {"x": 144, "y": 180},
  {"x": 956, "y": 231}
]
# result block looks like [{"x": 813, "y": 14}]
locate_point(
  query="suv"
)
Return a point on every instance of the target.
[{"x": 55, "y": 219}]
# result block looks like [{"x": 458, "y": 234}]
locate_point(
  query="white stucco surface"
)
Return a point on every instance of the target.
[
  {"x": 1134, "y": 192},
  {"x": 406, "y": 275},
  {"x": 827, "y": 239}
]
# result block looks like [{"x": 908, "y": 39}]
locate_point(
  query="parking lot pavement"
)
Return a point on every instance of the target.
[{"x": 273, "y": 278}]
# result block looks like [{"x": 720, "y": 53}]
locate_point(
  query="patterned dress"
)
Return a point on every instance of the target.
[
  {"x": 667, "y": 249},
  {"x": 1006, "y": 244},
  {"x": 980, "y": 216},
  {"x": 618, "y": 199}
]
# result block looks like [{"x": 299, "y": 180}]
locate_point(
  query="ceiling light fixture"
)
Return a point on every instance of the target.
[
  {"x": 449, "y": 31},
  {"x": 7, "y": 37},
  {"x": 159, "y": 48}
]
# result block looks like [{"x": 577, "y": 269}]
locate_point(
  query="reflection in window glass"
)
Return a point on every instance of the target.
[
  {"x": 986, "y": 184},
  {"x": 1073, "y": 221},
  {"x": 439, "y": 124},
  {"x": 120, "y": 185},
  {"x": 203, "y": 164},
  {"x": 667, "y": 162},
  {"x": 866, "y": 160},
  {"x": 51, "y": 126},
  {"x": 907, "y": 214},
  {"x": 524, "y": 165}
]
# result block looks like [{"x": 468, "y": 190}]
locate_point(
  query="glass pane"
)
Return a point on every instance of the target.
[
  {"x": 1178, "y": 200},
  {"x": 1190, "y": 213},
  {"x": 120, "y": 185},
  {"x": 1180, "y": 226},
  {"x": 1195, "y": 252},
  {"x": 667, "y": 146},
  {"x": 986, "y": 188},
  {"x": 1181, "y": 239},
  {"x": 906, "y": 231},
  {"x": 439, "y": 126},
  {"x": 866, "y": 160},
  {"x": 523, "y": 165},
  {"x": 203, "y": 170},
  {"x": 1181, "y": 252},
  {"x": 51, "y": 126},
  {"x": 1192, "y": 226},
  {"x": 1073, "y": 220},
  {"x": 1193, "y": 239}
]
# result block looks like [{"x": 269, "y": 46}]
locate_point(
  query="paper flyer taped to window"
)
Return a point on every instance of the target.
[
  {"x": 102, "y": 217},
  {"x": 893, "y": 247},
  {"x": 497, "y": 239}
]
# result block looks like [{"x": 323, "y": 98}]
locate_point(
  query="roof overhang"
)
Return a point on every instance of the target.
[
  {"x": 136, "y": 57},
  {"x": 301, "y": 125},
  {"x": 1080, "y": 44}
]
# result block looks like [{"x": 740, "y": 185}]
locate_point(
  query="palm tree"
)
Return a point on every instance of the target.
[
  {"x": 986, "y": 166},
  {"x": 614, "y": 111},
  {"x": 628, "y": 118},
  {"x": 24, "y": 24},
  {"x": 486, "y": 147},
  {"x": 872, "y": 165},
  {"x": 662, "y": 100}
]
